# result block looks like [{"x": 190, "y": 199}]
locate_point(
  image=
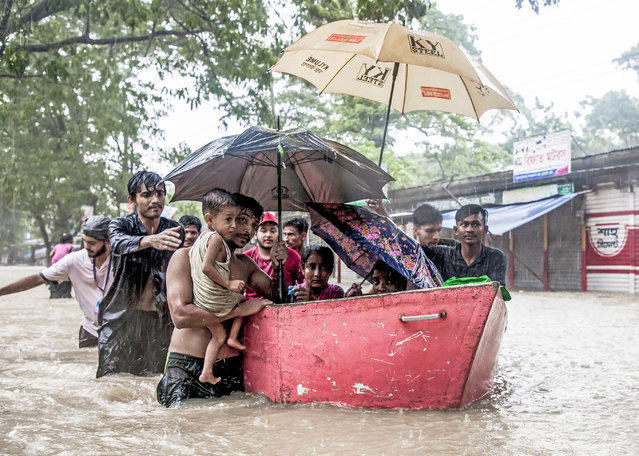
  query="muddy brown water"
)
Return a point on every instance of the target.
[{"x": 567, "y": 383}]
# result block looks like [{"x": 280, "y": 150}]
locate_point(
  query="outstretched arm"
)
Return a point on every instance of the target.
[{"x": 25, "y": 283}]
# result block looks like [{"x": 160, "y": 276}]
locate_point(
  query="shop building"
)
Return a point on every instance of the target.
[{"x": 577, "y": 231}]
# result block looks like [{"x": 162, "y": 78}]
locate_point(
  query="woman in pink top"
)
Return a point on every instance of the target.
[
  {"x": 59, "y": 290},
  {"x": 317, "y": 266},
  {"x": 64, "y": 247}
]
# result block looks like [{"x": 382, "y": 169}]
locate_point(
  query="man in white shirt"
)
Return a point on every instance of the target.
[{"x": 89, "y": 271}]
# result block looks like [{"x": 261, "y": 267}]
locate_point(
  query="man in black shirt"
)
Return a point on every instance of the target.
[
  {"x": 469, "y": 258},
  {"x": 135, "y": 326}
]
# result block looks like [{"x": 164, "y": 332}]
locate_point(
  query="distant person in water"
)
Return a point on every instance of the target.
[
  {"x": 215, "y": 288},
  {"x": 192, "y": 229},
  {"x": 317, "y": 265},
  {"x": 384, "y": 280},
  {"x": 60, "y": 290}
]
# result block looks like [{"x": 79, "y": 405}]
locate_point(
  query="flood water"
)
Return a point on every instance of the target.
[{"x": 567, "y": 383}]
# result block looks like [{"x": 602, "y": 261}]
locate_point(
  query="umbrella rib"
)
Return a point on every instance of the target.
[
  {"x": 255, "y": 160},
  {"x": 405, "y": 88},
  {"x": 336, "y": 72},
  {"x": 472, "y": 103}
]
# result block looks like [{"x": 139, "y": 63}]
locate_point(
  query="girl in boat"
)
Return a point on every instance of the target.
[{"x": 317, "y": 266}]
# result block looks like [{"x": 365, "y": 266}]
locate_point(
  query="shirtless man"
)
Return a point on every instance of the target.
[{"x": 191, "y": 336}]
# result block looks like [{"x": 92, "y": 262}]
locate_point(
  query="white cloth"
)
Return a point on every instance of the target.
[{"x": 78, "y": 268}]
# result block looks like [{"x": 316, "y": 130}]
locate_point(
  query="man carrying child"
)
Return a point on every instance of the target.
[
  {"x": 191, "y": 335},
  {"x": 214, "y": 288}
]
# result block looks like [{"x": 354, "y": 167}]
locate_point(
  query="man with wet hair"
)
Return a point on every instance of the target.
[
  {"x": 295, "y": 231},
  {"x": 135, "y": 327},
  {"x": 471, "y": 257},
  {"x": 427, "y": 221},
  {"x": 191, "y": 336},
  {"x": 427, "y": 224},
  {"x": 89, "y": 271},
  {"x": 192, "y": 228}
]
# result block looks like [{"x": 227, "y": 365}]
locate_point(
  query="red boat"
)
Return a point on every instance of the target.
[{"x": 422, "y": 349}]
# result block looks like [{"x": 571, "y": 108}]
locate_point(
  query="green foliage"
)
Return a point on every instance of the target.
[
  {"x": 534, "y": 4},
  {"x": 83, "y": 83},
  {"x": 530, "y": 122},
  {"x": 612, "y": 122},
  {"x": 630, "y": 59}
]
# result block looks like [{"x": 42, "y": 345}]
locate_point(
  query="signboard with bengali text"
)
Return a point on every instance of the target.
[{"x": 543, "y": 156}]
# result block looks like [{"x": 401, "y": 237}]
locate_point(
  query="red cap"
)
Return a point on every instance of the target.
[{"x": 268, "y": 217}]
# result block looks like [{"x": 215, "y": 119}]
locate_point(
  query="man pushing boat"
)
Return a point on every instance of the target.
[{"x": 191, "y": 336}]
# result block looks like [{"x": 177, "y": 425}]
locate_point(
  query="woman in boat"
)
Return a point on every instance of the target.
[
  {"x": 317, "y": 266},
  {"x": 384, "y": 279}
]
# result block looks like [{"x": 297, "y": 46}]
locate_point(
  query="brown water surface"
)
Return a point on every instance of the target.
[{"x": 567, "y": 383}]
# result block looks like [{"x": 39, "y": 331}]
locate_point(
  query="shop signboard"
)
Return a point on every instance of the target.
[{"x": 542, "y": 156}]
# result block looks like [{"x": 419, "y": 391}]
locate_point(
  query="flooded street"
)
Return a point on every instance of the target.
[{"x": 567, "y": 383}]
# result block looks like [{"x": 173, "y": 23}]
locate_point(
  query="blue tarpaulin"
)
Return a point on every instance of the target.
[{"x": 502, "y": 219}]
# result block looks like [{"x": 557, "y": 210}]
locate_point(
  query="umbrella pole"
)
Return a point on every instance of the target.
[
  {"x": 390, "y": 99},
  {"x": 280, "y": 268}
]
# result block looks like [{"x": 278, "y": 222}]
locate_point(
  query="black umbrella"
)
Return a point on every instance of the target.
[{"x": 282, "y": 170}]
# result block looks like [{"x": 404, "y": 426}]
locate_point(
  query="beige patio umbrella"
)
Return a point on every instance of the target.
[{"x": 405, "y": 69}]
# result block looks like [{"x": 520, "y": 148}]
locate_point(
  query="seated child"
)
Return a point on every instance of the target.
[
  {"x": 213, "y": 286},
  {"x": 384, "y": 279},
  {"x": 317, "y": 266}
]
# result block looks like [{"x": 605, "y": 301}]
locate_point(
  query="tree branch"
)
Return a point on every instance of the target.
[
  {"x": 43, "y": 10},
  {"x": 107, "y": 41}
]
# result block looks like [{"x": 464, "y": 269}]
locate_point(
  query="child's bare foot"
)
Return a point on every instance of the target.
[
  {"x": 209, "y": 378},
  {"x": 234, "y": 343}
]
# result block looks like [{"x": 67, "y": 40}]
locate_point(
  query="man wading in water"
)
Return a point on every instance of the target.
[
  {"x": 135, "y": 326},
  {"x": 191, "y": 335},
  {"x": 89, "y": 270}
]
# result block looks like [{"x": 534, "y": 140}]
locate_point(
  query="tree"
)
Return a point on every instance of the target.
[
  {"x": 612, "y": 122},
  {"x": 82, "y": 84}
]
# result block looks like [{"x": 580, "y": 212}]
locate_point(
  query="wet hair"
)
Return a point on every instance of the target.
[
  {"x": 66, "y": 238},
  {"x": 217, "y": 199},
  {"x": 471, "y": 209},
  {"x": 97, "y": 227},
  {"x": 187, "y": 220},
  {"x": 426, "y": 215},
  {"x": 392, "y": 276},
  {"x": 246, "y": 202},
  {"x": 148, "y": 178},
  {"x": 298, "y": 223},
  {"x": 328, "y": 258}
]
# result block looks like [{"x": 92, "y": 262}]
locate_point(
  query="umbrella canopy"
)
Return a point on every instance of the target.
[
  {"x": 312, "y": 169},
  {"x": 405, "y": 69},
  {"x": 360, "y": 237}
]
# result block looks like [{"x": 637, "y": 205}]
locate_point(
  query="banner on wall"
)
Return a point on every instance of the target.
[{"x": 542, "y": 156}]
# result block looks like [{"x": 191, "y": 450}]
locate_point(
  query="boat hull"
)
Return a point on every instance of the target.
[{"x": 356, "y": 352}]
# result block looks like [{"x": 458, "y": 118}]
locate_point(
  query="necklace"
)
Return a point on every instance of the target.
[{"x": 95, "y": 277}]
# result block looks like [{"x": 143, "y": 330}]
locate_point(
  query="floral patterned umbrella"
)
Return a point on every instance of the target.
[{"x": 360, "y": 237}]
